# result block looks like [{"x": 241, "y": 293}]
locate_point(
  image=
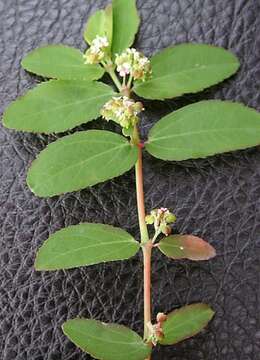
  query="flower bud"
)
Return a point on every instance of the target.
[{"x": 161, "y": 219}]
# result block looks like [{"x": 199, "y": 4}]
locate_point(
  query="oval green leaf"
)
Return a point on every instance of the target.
[
  {"x": 186, "y": 68},
  {"x": 186, "y": 247},
  {"x": 203, "y": 129},
  {"x": 100, "y": 24},
  {"x": 125, "y": 24},
  {"x": 83, "y": 159},
  {"x": 185, "y": 322},
  {"x": 106, "y": 341},
  {"x": 61, "y": 62},
  {"x": 57, "y": 106},
  {"x": 83, "y": 245}
]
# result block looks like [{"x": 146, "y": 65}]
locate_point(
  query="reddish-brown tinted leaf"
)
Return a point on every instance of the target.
[{"x": 186, "y": 247}]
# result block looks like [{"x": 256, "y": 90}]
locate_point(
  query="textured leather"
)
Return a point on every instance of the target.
[{"x": 217, "y": 198}]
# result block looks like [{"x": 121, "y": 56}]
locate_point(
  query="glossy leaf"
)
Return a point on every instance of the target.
[
  {"x": 186, "y": 247},
  {"x": 83, "y": 159},
  {"x": 57, "y": 105},
  {"x": 100, "y": 24},
  {"x": 203, "y": 129},
  {"x": 125, "y": 24},
  {"x": 106, "y": 341},
  {"x": 61, "y": 62},
  {"x": 185, "y": 322},
  {"x": 187, "y": 68},
  {"x": 85, "y": 244}
]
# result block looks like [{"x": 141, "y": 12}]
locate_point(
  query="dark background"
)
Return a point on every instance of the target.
[{"x": 217, "y": 198}]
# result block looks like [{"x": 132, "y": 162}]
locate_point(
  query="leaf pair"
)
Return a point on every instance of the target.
[
  {"x": 119, "y": 22},
  {"x": 89, "y": 157},
  {"x": 117, "y": 342}
]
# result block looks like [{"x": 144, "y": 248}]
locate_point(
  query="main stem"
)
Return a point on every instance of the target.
[{"x": 146, "y": 242}]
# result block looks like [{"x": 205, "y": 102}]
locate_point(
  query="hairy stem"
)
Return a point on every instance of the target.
[
  {"x": 140, "y": 197},
  {"x": 146, "y": 243}
]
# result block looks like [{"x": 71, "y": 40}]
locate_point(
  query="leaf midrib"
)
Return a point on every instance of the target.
[
  {"x": 89, "y": 247},
  {"x": 185, "y": 322},
  {"x": 86, "y": 100},
  {"x": 199, "y": 132},
  {"x": 173, "y": 74}
]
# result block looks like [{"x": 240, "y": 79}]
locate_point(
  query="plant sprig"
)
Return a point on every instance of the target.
[{"x": 86, "y": 158}]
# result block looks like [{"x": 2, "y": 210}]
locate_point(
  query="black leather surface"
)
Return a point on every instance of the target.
[{"x": 217, "y": 198}]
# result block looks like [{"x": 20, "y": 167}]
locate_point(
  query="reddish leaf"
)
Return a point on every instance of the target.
[{"x": 186, "y": 247}]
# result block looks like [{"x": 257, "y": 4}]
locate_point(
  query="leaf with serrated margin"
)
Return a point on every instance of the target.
[
  {"x": 185, "y": 322},
  {"x": 186, "y": 68},
  {"x": 85, "y": 244},
  {"x": 83, "y": 159},
  {"x": 61, "y": 62},
  {"x": 125, "y": 24},
  {"x": 204, "y": 129},
  {"x": 106, "y": 341},
  {"x": 100, "y": 24},
  {"x": 57, "y": 105}
]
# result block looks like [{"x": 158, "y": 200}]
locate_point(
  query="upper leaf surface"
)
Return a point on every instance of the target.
[
  {"x": 85, "y": 244},
  {"x": 100, "y": 24},
  {"x": 186, "y": 68},
  {"x": 203, "y": 129},
  {"x": 61, "y": 62},
  {"x": 83, "y": 159},
  {"x": 185, "y": 322},
  {"x": 186, "y": 247},
  {"x": 57, "y": 105},
  {"x": 106, "y": 341},
  {"x": 125, "y": 24}
]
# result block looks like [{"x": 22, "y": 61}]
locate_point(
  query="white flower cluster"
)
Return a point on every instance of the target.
[
  {"x": 122, "y": 110},
  {"x": 97, "y": 50},
  {"x": 161, "y": 218},
  {"x": 132, "y": 62}
]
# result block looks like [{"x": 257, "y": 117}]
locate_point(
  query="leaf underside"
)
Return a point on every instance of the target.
[
  {"x": 185, "y": 322},
  {"x": 186, "y": 68},
  {"x": 83, "y": 245},
  {"x": 186, "y": 247},
  {"x": 57, "y": 106},
  {"x": 106, "y": 341},
  {"x": 61, "y": 62},
  {"x": 83, "y": 159},
  {"x": 204, "y": 129}
]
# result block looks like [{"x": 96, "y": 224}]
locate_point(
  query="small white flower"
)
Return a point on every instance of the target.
[
  {"x": 133, "y": 62},
  {"x": 97, "y": 50},
  {"x": 122, "y": 110}
]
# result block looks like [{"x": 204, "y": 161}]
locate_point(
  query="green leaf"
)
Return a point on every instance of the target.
[
  {"x": 57, "y": 105},
  {"x": 186, "y": 247},
  {"x": 106, "y": 341},
  {"x": 185, "y": 322},
  {"x": 61, "y": 62},
  {"x": 125, "y": 24},
  {"x": 85, "y": 244},
  {"x": 83, "y": 159},
  {"x": 186, "y": 68},
  {"x": 100, "y": 24},
  {"x": 203, "y": 129}
]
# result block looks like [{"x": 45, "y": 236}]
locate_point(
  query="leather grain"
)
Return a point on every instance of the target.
[{"x": 217, "y": 198}]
